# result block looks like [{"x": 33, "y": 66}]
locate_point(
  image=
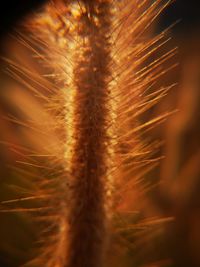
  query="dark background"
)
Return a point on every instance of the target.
[{"x": 13, "y": 11}]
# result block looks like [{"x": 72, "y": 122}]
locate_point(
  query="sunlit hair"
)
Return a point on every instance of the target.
[{"x": 95, "y": 87}]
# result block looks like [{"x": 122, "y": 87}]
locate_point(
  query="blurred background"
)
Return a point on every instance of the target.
[{"x": 177, "y": 178}]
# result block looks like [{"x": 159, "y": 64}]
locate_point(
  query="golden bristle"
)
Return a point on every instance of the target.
[{"x": 96, "y": 86}]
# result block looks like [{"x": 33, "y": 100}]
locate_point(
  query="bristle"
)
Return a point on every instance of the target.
[{"x": 96, "y": 86}]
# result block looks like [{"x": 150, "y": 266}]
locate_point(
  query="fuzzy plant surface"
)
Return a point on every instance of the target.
[{"x": 94, "y": 80}]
